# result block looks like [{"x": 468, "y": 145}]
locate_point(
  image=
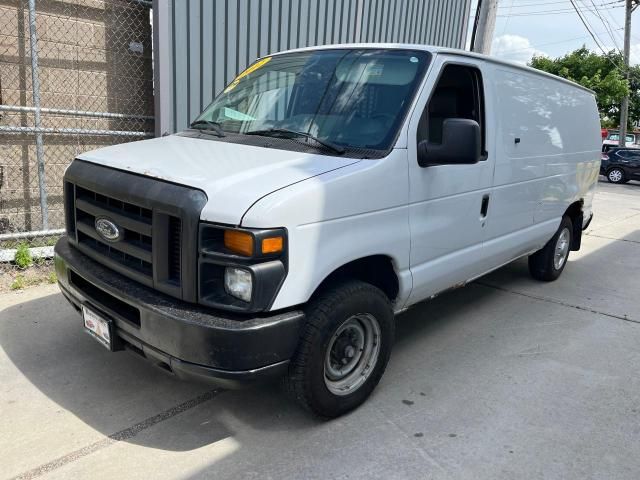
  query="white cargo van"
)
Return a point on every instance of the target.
[{"x": 323, "y": 191}]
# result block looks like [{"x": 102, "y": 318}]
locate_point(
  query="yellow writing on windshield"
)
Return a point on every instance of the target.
[{"x": 251, "y": 69}]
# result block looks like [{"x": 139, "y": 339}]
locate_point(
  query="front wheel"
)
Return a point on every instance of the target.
[
  {"x": 548, "y": 263},
  {"x": 344, "y": 349},
  {"x": 615, "y": 175}
]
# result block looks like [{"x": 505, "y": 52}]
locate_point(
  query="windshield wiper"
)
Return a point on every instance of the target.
[
  {"x": 208, "y": 125},
  {"x": 286, "y": 133}
]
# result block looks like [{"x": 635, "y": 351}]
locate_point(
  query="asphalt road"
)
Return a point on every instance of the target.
[{"x": 506, "y": 378}]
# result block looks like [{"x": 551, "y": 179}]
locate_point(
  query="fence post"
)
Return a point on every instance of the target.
[{"x": 35, "y": 87}]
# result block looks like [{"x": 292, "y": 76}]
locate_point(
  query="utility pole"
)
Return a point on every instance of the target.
[
  {"x": 630, "y": 6},
  {"x": 484, "y": 25}
]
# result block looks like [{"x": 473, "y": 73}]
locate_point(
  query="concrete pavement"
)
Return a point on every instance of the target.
[{"x": 506, "y": 378}]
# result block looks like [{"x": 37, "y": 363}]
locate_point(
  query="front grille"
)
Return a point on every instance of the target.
[
  {"x": 135, "y": 248},
  {"x": 134, "y": 251},
  {"x": 157, "y": 223}
]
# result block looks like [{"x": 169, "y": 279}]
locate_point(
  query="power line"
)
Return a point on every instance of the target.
[
  {"x": 606, "y": 24},
  {"x": 563, "y": 2},
  {"x": 545, "y": 12},
  {"x": 615, "y": 22},
  {"x": 506, "y": 22},
  {"x": 594, "y": 11},
  {"x": 540, "y": 4},
  {"x": 593, "y": 36},
  {"x": 548, "y": 43},
  {"x": 581, "y": 15},
  {"x": 590, "y": 27}
]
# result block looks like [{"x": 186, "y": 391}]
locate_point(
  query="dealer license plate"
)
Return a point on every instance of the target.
[{"x": 97, "y": 326}]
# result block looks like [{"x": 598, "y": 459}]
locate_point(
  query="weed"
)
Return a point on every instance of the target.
[
  {"x": 23, "y": 257},
  {"x": 18, "y": 283},
  {"x": 50, "y": 241},
  {"x": 52, "y": 278},
  {"x": 39, "y": 261}
]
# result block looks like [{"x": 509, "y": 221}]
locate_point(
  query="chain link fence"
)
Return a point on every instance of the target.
[{"x": 75, "y": 75}]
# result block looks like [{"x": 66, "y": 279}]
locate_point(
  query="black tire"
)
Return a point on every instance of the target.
[
  {"x": 542, "y": 264},
  {"x": 618, "y": 175},
  {"x": 307, "y": 381}
]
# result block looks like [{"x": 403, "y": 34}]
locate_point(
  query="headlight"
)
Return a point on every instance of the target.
[
  {"x": 240, "y": 269},
  {"x": 238, "y": 283}
]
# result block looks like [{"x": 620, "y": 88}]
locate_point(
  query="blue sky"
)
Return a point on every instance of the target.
[{"x": 553, "y": 28}]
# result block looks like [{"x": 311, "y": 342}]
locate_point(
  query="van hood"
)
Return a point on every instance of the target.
[{"x": 233, "y": 176}]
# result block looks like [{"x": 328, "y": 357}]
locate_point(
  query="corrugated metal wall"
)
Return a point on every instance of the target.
[{"x": 210, "y": 41}]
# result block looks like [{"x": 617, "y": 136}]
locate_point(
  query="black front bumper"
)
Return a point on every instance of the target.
[{"x": 189, "y": 340}]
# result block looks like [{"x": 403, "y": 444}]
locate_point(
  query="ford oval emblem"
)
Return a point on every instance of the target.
[{"x": 107, "y": 229}]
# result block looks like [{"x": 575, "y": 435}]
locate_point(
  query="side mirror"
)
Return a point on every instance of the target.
[{"x": 461, "y": 144}]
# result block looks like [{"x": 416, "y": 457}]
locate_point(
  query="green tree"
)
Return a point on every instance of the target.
[{"x": 602, "y": 73}]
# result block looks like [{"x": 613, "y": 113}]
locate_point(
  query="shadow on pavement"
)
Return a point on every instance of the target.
[{"x": 44, "y": 339}]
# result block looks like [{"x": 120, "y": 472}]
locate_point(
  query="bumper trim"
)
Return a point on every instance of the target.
[
  {"x": 191, "y": 341},
  {"x": 230, "y": 379}
]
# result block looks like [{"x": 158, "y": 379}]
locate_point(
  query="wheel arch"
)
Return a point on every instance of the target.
[{"x": 377, "y": 270}]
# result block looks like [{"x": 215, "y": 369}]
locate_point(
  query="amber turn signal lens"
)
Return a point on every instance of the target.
[
  {"x": 239, "y": 242},
  {"x": 272, "y": 245}
]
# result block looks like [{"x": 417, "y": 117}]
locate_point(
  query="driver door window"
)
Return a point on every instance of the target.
[{"x": 458, "y": 94}]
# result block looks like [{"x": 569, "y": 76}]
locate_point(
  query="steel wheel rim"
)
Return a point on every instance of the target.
[
  {"x": 352, "y": 354},
  {"x": 562, "y": 248},
  {"x": 615, "y": 175}
]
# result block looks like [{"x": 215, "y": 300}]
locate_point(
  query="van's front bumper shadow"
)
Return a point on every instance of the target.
[{"x": 193, "y": 342}]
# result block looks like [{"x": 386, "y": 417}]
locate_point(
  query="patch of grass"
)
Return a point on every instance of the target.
[
  {"x": 50, "y": 241},
  {"x": 32, "y": 278},
  {"x": 23, "y": 257},
  {"x": 18, "y": 283},
  {"x": 31, "y": 242},
  {"x": 27, "y": 269},
  {"x": 9, "y": 244},
  {"x": 39, "y": 261}
]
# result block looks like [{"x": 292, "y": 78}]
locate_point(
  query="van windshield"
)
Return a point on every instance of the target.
[{"x": 343, "y": 98}]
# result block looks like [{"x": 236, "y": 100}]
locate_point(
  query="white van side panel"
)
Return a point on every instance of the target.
[
  {"x": 354, "y": 212},
  {"x": 557, "y": 159},
  {"x": 547, "y": 157}
]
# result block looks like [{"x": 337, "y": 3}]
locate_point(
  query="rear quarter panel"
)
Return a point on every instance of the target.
[{"x": 559, "y": 150}]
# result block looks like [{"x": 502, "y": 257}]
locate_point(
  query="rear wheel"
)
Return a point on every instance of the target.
[
  {"x": 344, "y": 349},
  {"x": 548, "y": 263},
  {"x": 615, "y": 175}
]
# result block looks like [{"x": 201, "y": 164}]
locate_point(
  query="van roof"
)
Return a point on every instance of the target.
[{"x": 443, "y": 50}]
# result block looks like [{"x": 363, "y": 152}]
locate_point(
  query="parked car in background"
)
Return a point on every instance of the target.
[
  {"x": 613, "y": 141},
  {"x": 620, "y": 165}
]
